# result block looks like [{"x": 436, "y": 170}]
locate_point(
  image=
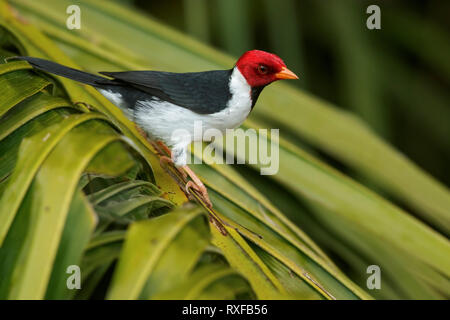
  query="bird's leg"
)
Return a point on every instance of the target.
[
  {"x": 162, "y": 150},
  {"x": 142, "y": 133},
  {"x": 198, "y": 185},
  {"x": 164, "y": 147},
  {"x": 164, "y": 160},
  {"x": 185, "y": 171}
]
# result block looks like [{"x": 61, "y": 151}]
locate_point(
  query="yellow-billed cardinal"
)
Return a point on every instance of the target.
[{"x": 162, "y": 102}]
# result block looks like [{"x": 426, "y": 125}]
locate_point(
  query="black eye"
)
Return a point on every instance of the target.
[{"x": 262, "y": 69}]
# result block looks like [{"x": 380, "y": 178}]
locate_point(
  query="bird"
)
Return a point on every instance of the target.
[{"x": 161, "y": 102}]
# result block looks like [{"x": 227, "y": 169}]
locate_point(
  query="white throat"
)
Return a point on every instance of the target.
[
  {"x": 240, "y": 90},
  {"x": 240, "y": 104}
]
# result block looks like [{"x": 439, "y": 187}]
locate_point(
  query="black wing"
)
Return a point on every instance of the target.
[{"x": 202, "y": 92}]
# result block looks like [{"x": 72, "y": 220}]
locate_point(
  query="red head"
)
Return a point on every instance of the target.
[{"x": 260, "y": 68}]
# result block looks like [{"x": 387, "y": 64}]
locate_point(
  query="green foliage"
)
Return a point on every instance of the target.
[{"x": 80, "y": 186}]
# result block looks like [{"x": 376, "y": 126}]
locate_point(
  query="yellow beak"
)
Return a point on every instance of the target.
[{"x": 285, "y": 73}]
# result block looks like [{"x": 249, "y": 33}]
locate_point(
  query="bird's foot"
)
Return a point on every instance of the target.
[
  {"x": 197, "y": 185},
  {"x": 184, "y": 171},
  {"x": 200, "y": 189}
]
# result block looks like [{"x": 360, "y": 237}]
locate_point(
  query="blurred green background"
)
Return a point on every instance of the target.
[{"x": 397, "y": 78}]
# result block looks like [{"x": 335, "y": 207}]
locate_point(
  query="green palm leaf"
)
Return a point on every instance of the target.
[{"x": 64, "y": 202}]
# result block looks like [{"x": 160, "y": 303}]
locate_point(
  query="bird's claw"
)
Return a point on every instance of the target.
[
  {"x": 196, "y": 184},
  {"x": 200, "y": 189}
]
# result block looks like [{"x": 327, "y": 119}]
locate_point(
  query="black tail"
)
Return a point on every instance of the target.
[{"x": 64, "y": 71}]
